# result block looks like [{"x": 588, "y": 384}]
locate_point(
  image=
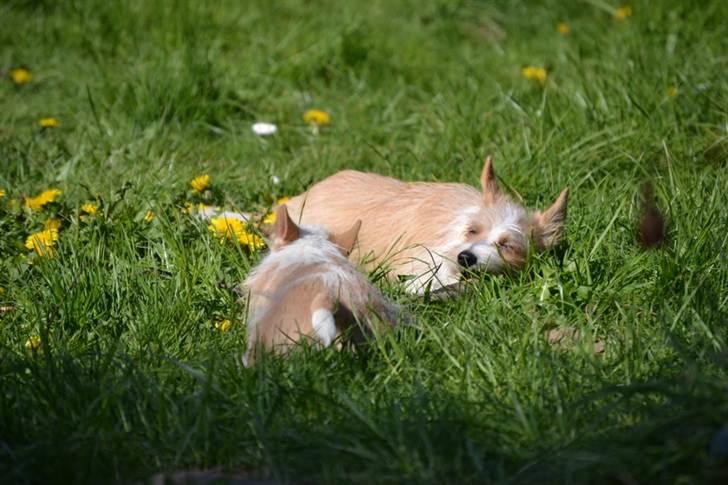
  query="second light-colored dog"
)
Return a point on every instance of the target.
[{"x": 306, "y": 288}]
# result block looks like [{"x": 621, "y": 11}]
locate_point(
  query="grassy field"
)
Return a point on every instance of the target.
[{"x": 114, "y": 362}]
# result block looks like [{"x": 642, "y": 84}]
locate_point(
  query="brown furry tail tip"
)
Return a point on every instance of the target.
[{"x": 651, "y": 227}]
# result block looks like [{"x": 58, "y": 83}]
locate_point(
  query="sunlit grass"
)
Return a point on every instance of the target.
[{"x": 121, "y": 333}]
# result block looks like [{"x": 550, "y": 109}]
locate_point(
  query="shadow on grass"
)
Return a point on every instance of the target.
[{"x": 97, "y": 417}]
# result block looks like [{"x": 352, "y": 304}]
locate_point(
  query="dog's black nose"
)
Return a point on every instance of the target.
[{"x": 466, "y": 259}]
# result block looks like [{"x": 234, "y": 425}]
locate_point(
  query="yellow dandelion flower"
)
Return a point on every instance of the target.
[
  {"x": 42, "y": 242},
  {"x": 229, "y": 228},
  {"x": 2, "y": 193},
  {"x": 224, "y": 325},
  {"x": 316, "y": 117},
  {"x": 672, "y": 91},
  {"x": 562, "y": 28},
  {"x": 49, "y": 122},
  {"x": 200, "y": 183},
  {"x": 252, "y": 240},
  {"x": 623, "y": 12},
  {"x": 33, "y": 343},
  {"x": 535, "y": 74},
  {"x": 270, "y": 218},
  {"x": 52, "y": 224},
  {"x": 36, "y": 203},
  {"x": 90, "y": 208},
  {"x": 21, "y": 75},
  {"x": 149, "y": 216},
  {"x": 225, "y": 227}
]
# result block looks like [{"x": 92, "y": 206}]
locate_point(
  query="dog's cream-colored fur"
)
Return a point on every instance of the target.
[
  {"x": 418, "y": 229},
  {"x": 307, "y": 288}
]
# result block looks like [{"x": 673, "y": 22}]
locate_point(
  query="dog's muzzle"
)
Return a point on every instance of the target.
[{"x": 466, "y": 259}]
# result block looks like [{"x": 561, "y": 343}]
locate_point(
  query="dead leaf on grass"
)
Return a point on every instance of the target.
[{"x": 564, "y": 338}]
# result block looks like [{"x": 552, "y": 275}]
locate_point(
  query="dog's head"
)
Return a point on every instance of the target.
[
  {"x": 497, "y": 234},
  {"x": 286, "y": 232}
]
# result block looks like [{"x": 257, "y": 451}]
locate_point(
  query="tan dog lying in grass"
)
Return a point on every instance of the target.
[
  {"x": 307, "y": 288},
  {"x": 431, "y": 232}
]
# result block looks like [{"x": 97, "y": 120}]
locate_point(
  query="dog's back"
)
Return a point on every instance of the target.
[{"x": 392, "y": 213}]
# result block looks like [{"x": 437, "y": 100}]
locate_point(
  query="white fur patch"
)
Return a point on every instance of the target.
[
  {"x": 431, "y": 272},
  {"x": 464, "y": 218},
  {"x": 324, "y": 325}
]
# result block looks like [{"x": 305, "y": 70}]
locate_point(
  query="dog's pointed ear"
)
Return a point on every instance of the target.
[
  {"x": 491, "y": 191},
  {"x": 346, "y": 240},
  {"x": 285, "y": 230},
  {"x": 548, "y": 225}
]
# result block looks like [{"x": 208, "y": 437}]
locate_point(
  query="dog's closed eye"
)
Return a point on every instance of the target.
[
  {"x": 472, "y": 231},
  {"x": 505, "y": 244}
]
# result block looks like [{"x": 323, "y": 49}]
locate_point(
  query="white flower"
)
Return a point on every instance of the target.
[
  {"x": 275, "y": 180},
  {"x": 264, "y": 129}
]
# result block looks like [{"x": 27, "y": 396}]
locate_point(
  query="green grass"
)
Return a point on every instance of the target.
[{"x": 132, "y": 378}]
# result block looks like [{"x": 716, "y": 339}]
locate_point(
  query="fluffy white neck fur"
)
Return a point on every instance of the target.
[{"x": 313, "y": 251}]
